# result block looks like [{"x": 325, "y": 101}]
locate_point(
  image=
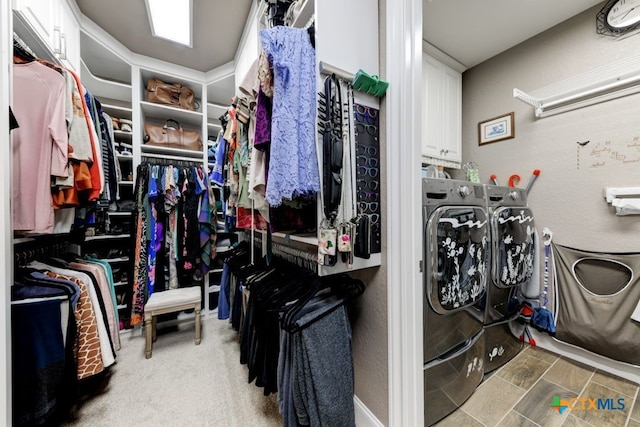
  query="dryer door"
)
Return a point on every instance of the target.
[
  {"x": 457, "y": 243},
  {"x": 514, "y": 236}
]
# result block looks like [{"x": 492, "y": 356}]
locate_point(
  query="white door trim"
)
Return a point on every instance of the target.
[{"x": 404, "y": 296}]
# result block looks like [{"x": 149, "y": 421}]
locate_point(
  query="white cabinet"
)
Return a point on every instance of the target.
[
  {"x": 55, "y": 27},
  {"x": 69, "y": 28},
  {"x": 441, "y": 113}
]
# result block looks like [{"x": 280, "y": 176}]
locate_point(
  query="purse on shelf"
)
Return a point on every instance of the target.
[
  {"x": 172, "y": 94},
  {"x": 171, "y": 136}
]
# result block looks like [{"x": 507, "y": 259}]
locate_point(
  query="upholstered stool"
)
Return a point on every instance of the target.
[{"x": 170, "y": 301}]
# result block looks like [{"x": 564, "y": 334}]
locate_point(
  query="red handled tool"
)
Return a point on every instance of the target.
[
  {"x": 494, "y": 179},
  {"x": 536, "y": 172},
  {"x": 514, "y": 180}
]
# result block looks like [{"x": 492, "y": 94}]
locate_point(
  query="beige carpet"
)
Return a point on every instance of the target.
[{"x": 181, "y": 385}]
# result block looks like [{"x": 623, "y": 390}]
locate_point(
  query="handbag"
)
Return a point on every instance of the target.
[
  {"x": 172, "y": 136},
  {"x": 173, "y": 94}
]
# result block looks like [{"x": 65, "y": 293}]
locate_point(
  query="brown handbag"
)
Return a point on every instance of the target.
[
  {"x": 173, "y": 94},
  {"x": 172, "y": 136}
]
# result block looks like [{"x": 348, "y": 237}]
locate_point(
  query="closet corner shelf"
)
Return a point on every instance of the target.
[
  {"x": 104, "y": 88},
  {"x": 163, "y": 112},
  {"x": 611, "y": 81}
]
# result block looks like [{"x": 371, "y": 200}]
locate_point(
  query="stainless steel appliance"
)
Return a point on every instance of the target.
[
  {"x": 456, "y": 262},
  {"x": 512, "y": 265}
]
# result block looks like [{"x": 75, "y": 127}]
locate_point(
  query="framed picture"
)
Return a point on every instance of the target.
[{"x": 496, "y": 129}]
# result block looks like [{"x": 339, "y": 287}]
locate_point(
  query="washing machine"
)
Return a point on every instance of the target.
[
  {"x": 456, "y": 263},
  {"x": 512, "y": 231}
]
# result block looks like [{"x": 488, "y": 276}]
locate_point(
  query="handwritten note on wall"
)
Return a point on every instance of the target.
[{"x": 609, "y": 154}]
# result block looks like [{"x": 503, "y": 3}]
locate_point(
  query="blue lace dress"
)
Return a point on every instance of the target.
[{"x": 293, "y": 163}]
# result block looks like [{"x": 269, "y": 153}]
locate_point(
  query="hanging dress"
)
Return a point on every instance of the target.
[{"x": 293, "y": 165}]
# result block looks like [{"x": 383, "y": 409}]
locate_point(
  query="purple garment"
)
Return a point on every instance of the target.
[
  {"x": 293, "y": 166},
  {"x": 263, "y": 122}
]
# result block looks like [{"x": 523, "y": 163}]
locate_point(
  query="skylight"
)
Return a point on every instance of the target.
[{"x": 171, "y": 19}]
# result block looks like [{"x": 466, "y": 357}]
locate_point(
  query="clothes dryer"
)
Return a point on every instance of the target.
[
  {"x": 512, "y": 232},
  {"x": 456, "y": 262}
]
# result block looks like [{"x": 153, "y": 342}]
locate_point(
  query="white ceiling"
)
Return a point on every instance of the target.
[
  {"x": 469, "y": 31},
  {"x": 217, "y": 29},
  {"x": 472, "y": 31}
]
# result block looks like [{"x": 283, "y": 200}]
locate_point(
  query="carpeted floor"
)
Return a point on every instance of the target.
[{"x": 181, "y": 385}]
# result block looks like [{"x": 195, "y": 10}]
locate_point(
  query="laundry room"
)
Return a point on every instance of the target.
[
  {"x": 553, "y": 119},
  {"x": 483, "y": 271}
]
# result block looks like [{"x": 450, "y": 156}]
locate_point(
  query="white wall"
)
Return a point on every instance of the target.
[
  {"x": 568, "y": 195},
  {"x": 6, "y": 236}
]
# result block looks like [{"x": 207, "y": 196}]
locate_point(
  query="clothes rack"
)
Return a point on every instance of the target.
[
  {"x": 164, "y": 159},
  {"x": 300, "y": 257}
]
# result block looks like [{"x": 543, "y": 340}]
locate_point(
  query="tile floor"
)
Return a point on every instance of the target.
[{"x": 520, "y": 394}]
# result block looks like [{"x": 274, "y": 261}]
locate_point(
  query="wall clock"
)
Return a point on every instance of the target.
[{"x": 618, "y": 18}]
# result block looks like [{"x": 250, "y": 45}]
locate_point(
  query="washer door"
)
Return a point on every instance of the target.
[
  {"x": 457, "y": 240},
  {"x": 513, "y": 236}
]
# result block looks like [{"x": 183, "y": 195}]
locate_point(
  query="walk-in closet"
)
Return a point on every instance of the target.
[{"x": 178, "y": 205}]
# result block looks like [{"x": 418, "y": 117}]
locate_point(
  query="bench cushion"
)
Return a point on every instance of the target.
[{"x": 173, "y": 297}]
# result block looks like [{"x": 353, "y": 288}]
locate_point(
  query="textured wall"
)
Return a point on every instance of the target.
[
  {"x": 568, "y": 196},
  {"x": 369, "y": 312}
]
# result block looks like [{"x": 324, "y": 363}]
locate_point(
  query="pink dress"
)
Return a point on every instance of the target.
[{"x": 40, "y": 144}]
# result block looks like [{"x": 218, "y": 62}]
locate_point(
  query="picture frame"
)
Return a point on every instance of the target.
[{"x": 496, "y": 129}]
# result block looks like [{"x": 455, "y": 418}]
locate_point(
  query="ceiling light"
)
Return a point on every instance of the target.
[{"x": 171, "y": 19}]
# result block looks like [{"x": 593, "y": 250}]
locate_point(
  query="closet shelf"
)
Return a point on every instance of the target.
[
  {"x": 122, "y": 134},
  {"x": 123, "y": 157},
  {"x": 171, "y": 153},
  {"x": 163, "y": 112},
  {"x": 122, "y": 306},
  {"x": 106, "y": 237},
  {"x": 114, "y": 260},
  {"x": 611, "y": 81},
  {"x": 120, "y": 284},
  {"x": 118, "y": 213},
  {"x": 125, "y": 182},
  {"x": 306, "y": 13},
  {"x": 104, "y": 88}
]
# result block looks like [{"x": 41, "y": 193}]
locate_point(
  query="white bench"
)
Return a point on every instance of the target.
[{"x": 170, "y": 301}]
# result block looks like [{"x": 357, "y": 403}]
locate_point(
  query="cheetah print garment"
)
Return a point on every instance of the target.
[{"x": 87, "y": 344}]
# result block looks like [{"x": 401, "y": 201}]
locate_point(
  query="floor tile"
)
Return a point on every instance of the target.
[
  {"x": 569, "y": 374},
  {"x": 603, "y": 417},
  {"x": 615, "y": 383},
  {"x": 459, "y": 418},
  {"x": 514, "y": 419},
  {"x": 573, "y": 421},
  {"x": 536, "y": 405},
  {"x": 492, "y": 400},
  {"x": 523, "y": 371},
  {"x": 635, "y": 411},
  {"x": 541, "y": 354}
]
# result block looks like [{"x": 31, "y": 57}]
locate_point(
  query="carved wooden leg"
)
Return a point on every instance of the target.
[
  {"x": 197, "y": 325},
  {"x": 148, "y": 326},
  {"x": 155, "y": 324}
]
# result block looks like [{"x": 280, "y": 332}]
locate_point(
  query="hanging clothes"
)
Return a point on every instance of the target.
[
  {"x": 293, "y": 165},
  {"x": 40, "y": 144},
  {"x": 175, "y": 230}
]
